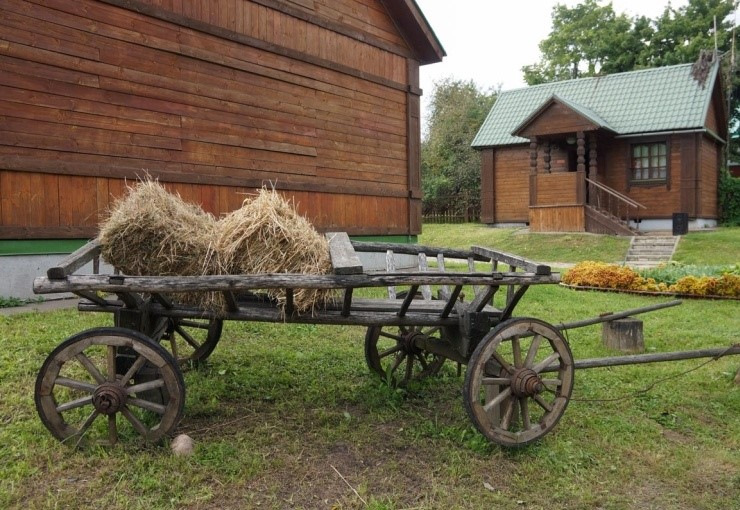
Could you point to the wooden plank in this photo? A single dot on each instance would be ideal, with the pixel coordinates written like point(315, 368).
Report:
point(426, 291)
point(411, 249)
point(344, 260)
point(72, 262)
point(511, 260)
point(390, 267)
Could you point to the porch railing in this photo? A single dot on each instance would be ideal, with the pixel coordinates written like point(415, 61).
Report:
point(612, 202)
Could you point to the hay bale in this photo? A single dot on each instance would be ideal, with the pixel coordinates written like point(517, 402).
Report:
point(153, 232)
point(267, 235)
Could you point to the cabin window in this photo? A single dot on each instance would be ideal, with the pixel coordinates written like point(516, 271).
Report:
point(649, 162)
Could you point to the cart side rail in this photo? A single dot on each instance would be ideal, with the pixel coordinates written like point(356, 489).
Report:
point(512, 261)
point(208, 283)
point(416, 249)
point(75, 260)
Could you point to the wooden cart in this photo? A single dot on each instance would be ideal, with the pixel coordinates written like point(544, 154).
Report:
point(107, 383)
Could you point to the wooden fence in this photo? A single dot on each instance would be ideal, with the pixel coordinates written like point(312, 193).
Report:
point(461, 208)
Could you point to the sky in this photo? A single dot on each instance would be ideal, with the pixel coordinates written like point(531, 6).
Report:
point(489, 41)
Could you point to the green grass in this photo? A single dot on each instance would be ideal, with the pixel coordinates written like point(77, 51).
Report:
point(279, 406)
point(569, 247)
point(720, 247)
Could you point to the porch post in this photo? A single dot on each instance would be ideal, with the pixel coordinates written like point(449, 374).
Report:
point(581, 168)
point(546, 157)
point(533, 171)
point(592, 157)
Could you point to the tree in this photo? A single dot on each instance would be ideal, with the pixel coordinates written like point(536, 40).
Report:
point(590, 39)
point(586, 40)
point(450, 167)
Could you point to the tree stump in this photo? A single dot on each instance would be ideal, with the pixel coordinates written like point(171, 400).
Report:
point(623, 334)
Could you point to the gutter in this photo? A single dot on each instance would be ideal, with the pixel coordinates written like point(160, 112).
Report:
point(679, 132)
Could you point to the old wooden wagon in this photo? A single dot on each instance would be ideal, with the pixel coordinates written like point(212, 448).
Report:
point(109, 383)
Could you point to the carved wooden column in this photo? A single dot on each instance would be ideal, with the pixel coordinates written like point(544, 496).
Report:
point(592, 155)
point(546, 157)
point(533, 171)
point(581, 167)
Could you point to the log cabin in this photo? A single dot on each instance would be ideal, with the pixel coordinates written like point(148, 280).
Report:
point(317, 98)
point(616, 154)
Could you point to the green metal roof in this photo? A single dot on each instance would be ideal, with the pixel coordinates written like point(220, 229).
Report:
point(650, 100)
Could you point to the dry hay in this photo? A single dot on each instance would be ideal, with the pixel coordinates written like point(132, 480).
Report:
point(153, 232)
point(267, 235)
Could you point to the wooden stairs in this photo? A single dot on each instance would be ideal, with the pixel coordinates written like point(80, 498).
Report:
point(609, 211)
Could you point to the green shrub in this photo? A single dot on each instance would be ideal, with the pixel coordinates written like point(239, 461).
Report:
point(729, 198)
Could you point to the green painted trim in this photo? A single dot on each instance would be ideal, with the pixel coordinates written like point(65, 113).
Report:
point(402, 239)
point(40, 246)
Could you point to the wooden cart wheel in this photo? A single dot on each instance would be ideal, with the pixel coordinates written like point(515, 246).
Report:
point(190, 341)
point(519, 381)
point(391, 354)
point(86, 394)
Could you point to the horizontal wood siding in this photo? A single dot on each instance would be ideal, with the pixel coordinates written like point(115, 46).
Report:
point(557, 119)
point(91, 94)
point(511, 184)
point(708, 177)
point(58, 206)
point(556, 188)
point(661, 200)
point(557, 219)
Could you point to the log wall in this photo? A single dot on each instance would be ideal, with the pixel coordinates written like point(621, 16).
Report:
point(709, 177)
point(316, 98)
point(511, 184)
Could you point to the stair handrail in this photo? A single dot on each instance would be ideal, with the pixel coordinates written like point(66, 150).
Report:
point(615, 193)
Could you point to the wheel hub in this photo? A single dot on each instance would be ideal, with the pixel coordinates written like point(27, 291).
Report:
point(109, 398)
point(526, 383)
point(409, 342)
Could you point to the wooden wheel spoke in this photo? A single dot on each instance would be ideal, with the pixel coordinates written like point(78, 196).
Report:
point(543, 404)
point(140, 361)
point(145, 404)
point(90, 367)
point(111, 362)
point(497, 381)
point(145, 386)
point(193, 324)
point(112, 430)
point(517, 348)
point(422, 361)
point(187, 337)
point(501, 361)
point(546, 362)
point(397, 338)
point(508, 413)
point(431, 331)
point(74, 404)
point(409, 367)
point(506, 393)
point(75, 384)
point(532, 352)
point(524, 407)
point(134, 421)
point(397, 363)
point(173, 346)
point(552, 382)
point(85, 426)
point(390, 351)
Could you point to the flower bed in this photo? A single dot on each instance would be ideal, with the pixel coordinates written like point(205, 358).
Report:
point(670, 279)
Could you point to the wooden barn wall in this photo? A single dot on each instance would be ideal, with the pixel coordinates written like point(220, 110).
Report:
point(661, 200)
point(88, 100)
point(708, 177)
point(47, 205)
point(511, 184)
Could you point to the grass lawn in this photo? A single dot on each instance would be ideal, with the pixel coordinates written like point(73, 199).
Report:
point(280, 411)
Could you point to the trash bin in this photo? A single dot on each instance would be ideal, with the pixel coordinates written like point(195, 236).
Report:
point(680, 223)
